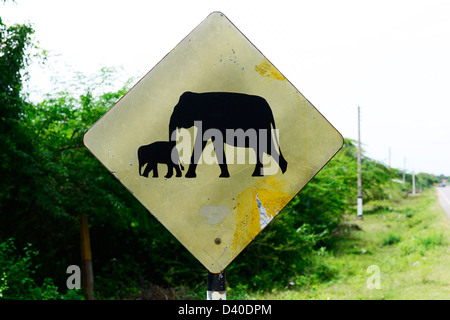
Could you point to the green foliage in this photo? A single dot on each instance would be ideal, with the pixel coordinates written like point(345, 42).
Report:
point(325, 199)
point(391, 239)
point(16, 158)
point(430, 241)
point(75, 179)
point(279, 253)
point(17, 275)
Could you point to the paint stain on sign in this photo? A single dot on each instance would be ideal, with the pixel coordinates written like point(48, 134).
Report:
point(214, 214)
point(268, 197)
point(266, 69)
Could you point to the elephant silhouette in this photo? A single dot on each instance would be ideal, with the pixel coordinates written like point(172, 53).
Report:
point(159, 152)
point(224, 111)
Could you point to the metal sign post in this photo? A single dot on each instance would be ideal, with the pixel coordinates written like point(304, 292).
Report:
point(216, 286)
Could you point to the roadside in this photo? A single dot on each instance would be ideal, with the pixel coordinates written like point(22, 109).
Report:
point(401, 252)
point(444, 198)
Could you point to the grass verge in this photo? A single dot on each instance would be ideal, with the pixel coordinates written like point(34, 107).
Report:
point(399, 251)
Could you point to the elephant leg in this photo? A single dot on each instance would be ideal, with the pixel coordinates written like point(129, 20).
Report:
point(169, 171)
point(146, 170)
point(221, 159)
point(261, 147)
point(155, 169)
point(258, 172)
point(178, 171)
point(275, 152)
point(282, 163)
point(196, 153)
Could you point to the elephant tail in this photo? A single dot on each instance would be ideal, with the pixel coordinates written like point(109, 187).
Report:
point(282, 161)
point(140, 160)
point(275, 136)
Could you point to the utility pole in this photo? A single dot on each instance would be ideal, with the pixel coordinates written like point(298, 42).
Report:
point(359, 199)
point(420, 182)
point(414, 183)
point(404, 168)
point(390, 194)
point(389, 158)
point(87, 275)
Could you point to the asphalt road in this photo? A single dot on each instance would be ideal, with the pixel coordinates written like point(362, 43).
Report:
point(444, 198)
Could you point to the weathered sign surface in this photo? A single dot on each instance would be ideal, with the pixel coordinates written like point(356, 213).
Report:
point(214, 141)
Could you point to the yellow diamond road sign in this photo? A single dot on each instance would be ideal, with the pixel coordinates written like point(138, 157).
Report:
point(214, 141)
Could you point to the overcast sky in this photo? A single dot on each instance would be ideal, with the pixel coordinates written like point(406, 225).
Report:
point(391, 58)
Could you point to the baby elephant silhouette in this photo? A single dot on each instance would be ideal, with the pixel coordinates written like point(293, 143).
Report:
point(159, 152)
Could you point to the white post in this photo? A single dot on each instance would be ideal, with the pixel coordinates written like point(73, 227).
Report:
point(390, 194)
point(404, 169)
point(414, 183)
point(389, 158)
point(359, 200)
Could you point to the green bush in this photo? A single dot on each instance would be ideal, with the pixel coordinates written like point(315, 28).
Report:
point(391, 239)
point(430, 241)
point(18, 273)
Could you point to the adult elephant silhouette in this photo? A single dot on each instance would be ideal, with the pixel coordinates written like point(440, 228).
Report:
point(224, 112)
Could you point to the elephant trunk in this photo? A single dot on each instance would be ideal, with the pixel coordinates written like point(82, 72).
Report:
point(172, 126)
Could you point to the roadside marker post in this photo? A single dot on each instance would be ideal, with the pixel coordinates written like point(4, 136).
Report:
point(216, 286)
point(359, 211)
point(247, 140)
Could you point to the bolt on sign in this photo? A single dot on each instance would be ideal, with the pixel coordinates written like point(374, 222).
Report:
point(214, 141)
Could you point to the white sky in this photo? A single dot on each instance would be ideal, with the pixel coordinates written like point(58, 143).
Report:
point(391, 58)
